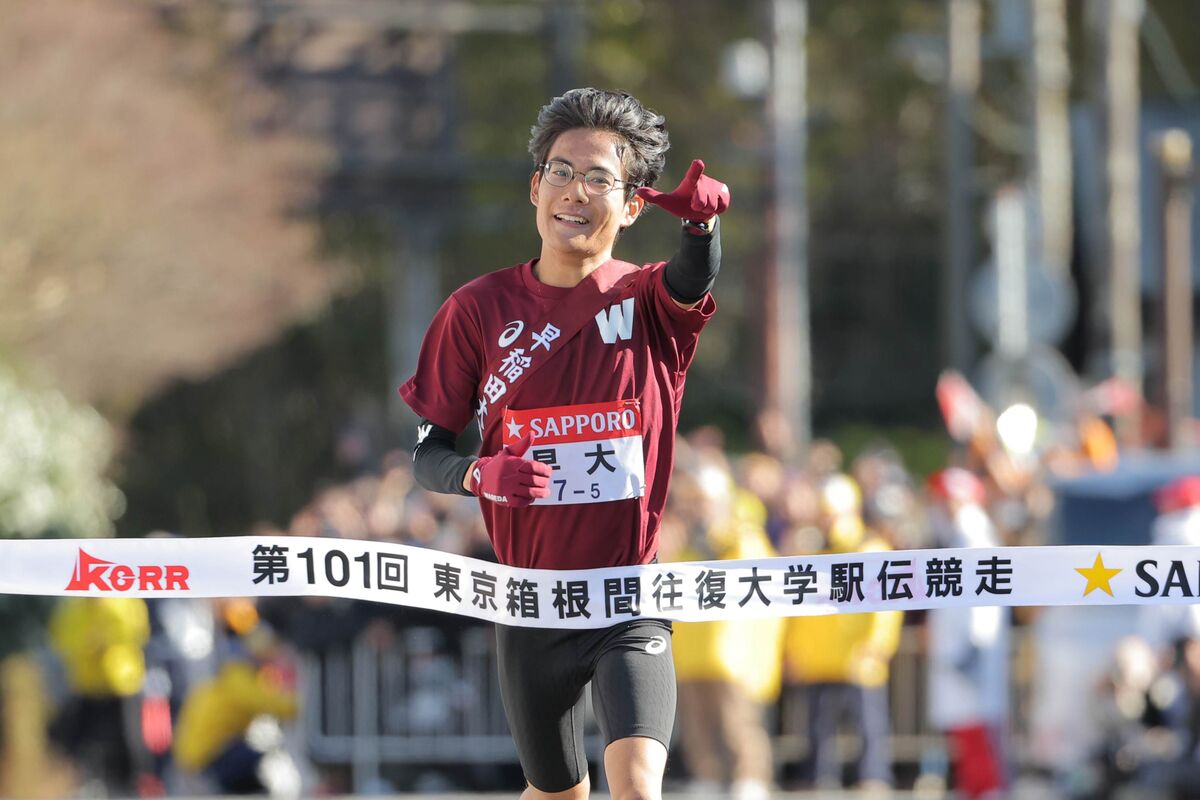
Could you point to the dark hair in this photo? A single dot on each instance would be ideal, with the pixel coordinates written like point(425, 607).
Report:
point(643, 130)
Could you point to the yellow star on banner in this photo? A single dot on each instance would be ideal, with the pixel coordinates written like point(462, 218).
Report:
point(1097, 576)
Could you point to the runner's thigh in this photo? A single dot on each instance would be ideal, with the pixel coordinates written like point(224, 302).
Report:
point(633, 686)
point(541, 683)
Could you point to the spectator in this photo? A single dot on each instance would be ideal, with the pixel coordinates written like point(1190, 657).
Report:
point(215, 735)
point(1127, 714)
point(764, 478)
point(824, 459)
point(726, 670)
point(801, 532)
point(1180, 774)
point(1178, 523)
point(889, 506)
point(100, 641)
point(178, 654)
point(25, 762)
point(840, 661)
point(1178, 506)
point(968, 649)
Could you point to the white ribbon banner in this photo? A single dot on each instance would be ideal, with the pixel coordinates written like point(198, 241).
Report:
point(695, 591)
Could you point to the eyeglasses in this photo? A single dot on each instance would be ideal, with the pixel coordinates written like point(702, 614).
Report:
point(596, 181)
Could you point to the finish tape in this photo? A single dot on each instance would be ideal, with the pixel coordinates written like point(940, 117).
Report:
point(697, 591)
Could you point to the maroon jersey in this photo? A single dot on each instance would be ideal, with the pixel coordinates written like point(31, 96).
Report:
point(604, 410)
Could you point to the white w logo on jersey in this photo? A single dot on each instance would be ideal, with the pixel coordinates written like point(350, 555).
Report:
point(617, 322)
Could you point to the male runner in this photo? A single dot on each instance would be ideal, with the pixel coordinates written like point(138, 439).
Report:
point(579, 452)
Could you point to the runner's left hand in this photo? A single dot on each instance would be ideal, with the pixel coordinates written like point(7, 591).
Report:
point(508, 478)
point(698, 197)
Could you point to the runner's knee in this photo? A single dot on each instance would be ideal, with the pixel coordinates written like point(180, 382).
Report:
point(577, 792)
point(634, 767)
point(636, 793)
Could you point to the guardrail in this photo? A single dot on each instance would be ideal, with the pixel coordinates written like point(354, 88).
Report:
point(432, 697)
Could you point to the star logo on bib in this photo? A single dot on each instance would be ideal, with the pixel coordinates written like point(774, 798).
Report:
point(1098, 576)
point(514, 429)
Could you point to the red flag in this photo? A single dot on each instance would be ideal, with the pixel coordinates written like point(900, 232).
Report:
point(962, 408)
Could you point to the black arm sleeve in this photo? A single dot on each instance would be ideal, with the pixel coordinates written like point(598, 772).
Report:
point(436, 465)
point(692, 272)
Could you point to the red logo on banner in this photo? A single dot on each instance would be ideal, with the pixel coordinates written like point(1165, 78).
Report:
point(107, 576)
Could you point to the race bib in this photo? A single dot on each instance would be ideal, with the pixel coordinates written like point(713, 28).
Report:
point(594, 450)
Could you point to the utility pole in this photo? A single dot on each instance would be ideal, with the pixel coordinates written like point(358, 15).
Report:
point(413, 294)
point(565, 28)
point(1117, 22)
point(1012, 276)
point(788, 379)
point(963, 21)
point(1052, 137)
point(1174, 151)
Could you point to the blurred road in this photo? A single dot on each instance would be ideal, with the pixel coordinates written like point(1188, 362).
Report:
point(1023, 791)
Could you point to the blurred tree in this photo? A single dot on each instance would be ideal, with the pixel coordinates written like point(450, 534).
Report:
point(53, 459)
point(143, 234)
point(257, 440)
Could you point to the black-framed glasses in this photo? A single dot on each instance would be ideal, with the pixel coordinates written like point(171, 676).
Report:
point(596, 181)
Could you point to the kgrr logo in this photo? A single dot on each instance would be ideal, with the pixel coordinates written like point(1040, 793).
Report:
point(107, 576)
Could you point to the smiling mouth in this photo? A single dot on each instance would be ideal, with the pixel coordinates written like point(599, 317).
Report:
point(572, 219)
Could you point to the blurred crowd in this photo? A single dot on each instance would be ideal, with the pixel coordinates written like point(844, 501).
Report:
point(188, 696)
point(832, 672)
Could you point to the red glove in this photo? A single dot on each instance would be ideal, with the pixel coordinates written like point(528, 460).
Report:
point(698, 197)
point(508, 479)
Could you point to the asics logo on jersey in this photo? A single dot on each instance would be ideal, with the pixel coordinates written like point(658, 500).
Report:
point(616, 322)
point(510, 333)
point(656, 645)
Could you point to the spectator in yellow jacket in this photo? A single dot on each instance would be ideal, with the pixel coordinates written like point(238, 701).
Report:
point(101, 641)
point(839, 662)
point(211, 737)
point(727, 671)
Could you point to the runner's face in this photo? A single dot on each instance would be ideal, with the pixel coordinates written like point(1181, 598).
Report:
point(571, 221)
